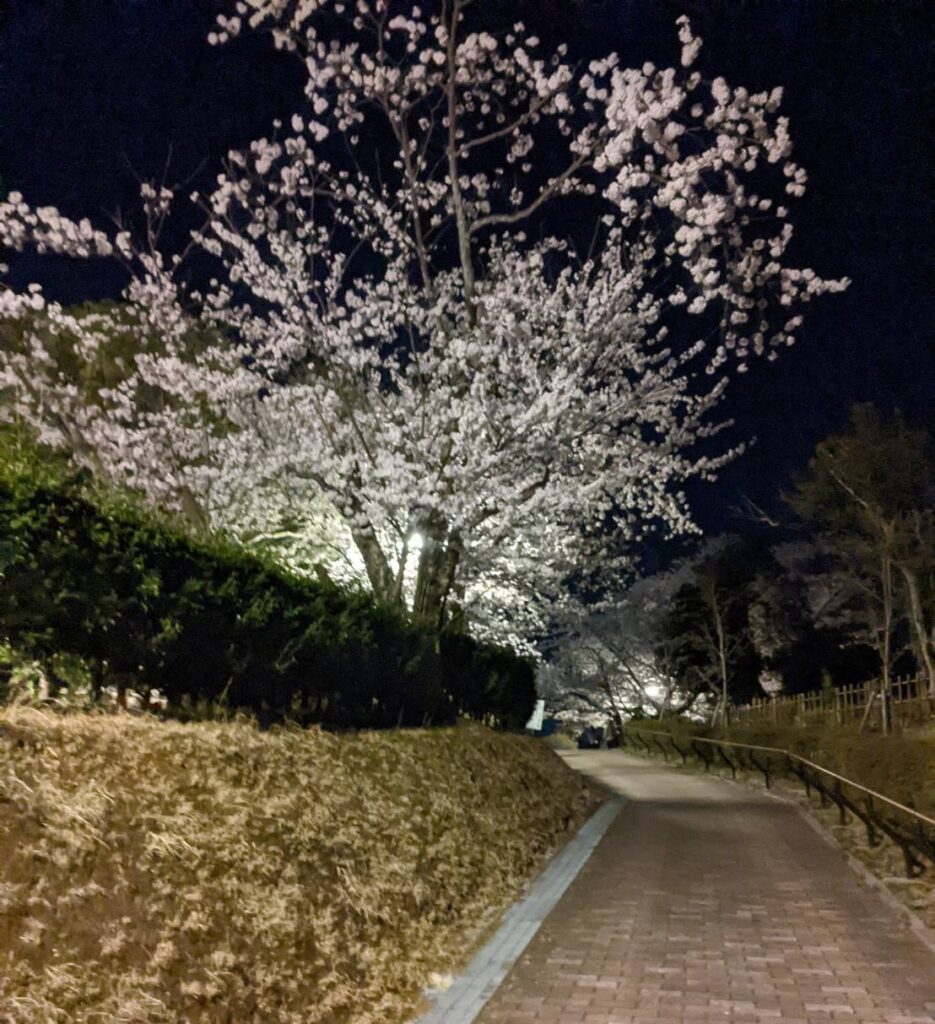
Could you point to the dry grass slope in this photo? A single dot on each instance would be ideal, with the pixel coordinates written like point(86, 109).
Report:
point(155, 872)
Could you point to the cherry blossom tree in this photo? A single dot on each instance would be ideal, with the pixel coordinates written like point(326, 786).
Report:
point(403, 345)
point(616, 660)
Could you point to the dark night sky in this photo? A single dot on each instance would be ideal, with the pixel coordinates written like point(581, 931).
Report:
point(97, 94)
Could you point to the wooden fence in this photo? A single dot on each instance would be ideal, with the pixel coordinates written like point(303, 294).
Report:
point(908, 703)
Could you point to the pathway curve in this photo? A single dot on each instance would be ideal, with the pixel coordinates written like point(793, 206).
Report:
point(707, 902)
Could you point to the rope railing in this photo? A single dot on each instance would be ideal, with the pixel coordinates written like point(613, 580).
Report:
point(911, 830)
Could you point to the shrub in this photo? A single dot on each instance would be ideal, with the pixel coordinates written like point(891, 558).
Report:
point(205, 622)
point(901, 767)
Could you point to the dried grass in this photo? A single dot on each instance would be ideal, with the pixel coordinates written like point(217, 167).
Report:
point(154, 872)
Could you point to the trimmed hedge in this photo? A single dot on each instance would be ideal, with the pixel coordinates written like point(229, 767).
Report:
point(149, 608)
point(900, 766)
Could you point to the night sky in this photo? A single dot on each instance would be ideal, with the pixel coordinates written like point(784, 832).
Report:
point(98, 95)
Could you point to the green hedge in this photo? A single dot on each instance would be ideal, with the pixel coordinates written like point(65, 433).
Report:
point(148, 608)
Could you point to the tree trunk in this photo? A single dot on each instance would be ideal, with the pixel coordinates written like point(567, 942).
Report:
point(98, 676)
point(917, 617)
point(725, 700)
point(438, 566)
point(886, 653)
point(381, 576)
point(454, 174)
point(615, 712)
point(721, 656)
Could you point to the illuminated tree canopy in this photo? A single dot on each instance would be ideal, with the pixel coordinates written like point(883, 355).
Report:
point(403, 358)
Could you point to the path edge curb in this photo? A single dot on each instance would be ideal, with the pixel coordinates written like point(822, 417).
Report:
point(471, 990)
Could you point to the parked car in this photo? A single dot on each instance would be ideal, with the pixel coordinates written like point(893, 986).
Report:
point(591, 737)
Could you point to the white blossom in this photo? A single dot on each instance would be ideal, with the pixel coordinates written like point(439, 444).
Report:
point(390, 375)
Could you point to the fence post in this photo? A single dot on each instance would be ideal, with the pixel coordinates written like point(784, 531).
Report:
point(885, 709)
point(730, 764)
point(872, 838)
point(702, 751)
point(839, 800)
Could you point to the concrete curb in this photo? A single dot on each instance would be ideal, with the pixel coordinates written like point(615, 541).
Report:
point(464, 1000)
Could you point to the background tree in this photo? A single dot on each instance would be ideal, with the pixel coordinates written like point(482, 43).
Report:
point(870, 493)
point(774, 618)
point(706, 627)
point(615, 659)
point(797, 624)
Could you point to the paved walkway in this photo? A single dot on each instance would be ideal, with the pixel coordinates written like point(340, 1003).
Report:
point(705, 902)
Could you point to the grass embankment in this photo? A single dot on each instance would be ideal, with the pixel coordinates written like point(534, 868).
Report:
point(156, 872)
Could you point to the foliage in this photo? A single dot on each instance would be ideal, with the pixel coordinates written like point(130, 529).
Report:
point(679, 639)
point(148, 608)
point(705, 630)
point(901, 766)
point(738, 612)
point(159, 872)
point(845, 592)
point(402, 331)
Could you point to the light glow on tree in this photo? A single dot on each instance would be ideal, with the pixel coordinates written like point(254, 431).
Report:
point(404, 365)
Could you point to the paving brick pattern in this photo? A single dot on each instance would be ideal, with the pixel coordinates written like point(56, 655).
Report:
point(705, 902)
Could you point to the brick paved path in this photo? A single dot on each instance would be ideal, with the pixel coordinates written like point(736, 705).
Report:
point(705, 902)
